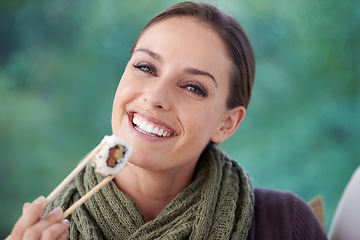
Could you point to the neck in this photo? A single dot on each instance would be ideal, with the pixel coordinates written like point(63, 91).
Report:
point(153, 190)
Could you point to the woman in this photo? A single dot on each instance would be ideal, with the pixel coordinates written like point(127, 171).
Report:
point(187, 86)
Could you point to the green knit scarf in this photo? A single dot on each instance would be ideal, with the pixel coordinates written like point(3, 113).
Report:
point(218, 204)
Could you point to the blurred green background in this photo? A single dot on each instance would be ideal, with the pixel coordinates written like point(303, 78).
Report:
point(61, 60)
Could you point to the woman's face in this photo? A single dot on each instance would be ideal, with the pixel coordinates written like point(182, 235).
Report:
point(171, 99)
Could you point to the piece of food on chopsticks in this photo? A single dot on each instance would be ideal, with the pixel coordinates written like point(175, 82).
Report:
point(109, 157)
point(112, 157)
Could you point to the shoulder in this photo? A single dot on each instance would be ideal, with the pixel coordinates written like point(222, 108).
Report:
point(283, 215)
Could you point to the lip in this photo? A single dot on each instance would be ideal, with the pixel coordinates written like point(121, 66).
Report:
point(153, 120)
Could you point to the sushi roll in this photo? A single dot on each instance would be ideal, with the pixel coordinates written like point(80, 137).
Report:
point(112, 157)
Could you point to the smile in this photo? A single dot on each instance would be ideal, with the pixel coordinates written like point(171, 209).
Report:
point(152, 129)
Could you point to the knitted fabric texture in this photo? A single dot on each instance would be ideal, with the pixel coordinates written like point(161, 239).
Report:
point(218, 204)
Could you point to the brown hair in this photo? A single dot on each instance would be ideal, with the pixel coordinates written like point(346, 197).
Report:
point(236, 41)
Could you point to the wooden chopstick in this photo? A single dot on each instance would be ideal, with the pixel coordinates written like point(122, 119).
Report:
point(79, 167)
point(89, 194)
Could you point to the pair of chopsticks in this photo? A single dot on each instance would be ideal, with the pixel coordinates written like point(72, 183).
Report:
point(67, 180)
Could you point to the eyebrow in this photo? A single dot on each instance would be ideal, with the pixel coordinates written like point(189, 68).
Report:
point(195, 71)
point(152, 54)
point(189, 70)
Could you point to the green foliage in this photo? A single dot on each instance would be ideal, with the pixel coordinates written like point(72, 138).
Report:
point(60, 63)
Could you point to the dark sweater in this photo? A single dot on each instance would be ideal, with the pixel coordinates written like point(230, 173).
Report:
point(282, 215)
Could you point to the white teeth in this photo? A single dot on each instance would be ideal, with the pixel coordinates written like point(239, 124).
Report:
point(135, 120)
point(155, 131)
point(149, 128)
point(142, 125)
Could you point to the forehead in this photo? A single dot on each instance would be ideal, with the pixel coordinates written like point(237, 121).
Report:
point(188, 38)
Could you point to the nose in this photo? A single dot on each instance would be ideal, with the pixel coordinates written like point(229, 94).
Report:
point(157, 94)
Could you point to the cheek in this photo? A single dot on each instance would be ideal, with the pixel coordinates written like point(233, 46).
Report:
point(118, 108)
point(202, 120)
point(118, 98)
point(126, 89)
point(115, 113)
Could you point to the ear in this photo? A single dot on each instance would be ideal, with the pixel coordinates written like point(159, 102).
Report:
point(229, 124)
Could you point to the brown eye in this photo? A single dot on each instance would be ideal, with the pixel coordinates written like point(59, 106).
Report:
point(145, 68)
point(196, 89)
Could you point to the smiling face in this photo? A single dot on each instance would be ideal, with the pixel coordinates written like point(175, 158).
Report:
point(171, 99)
